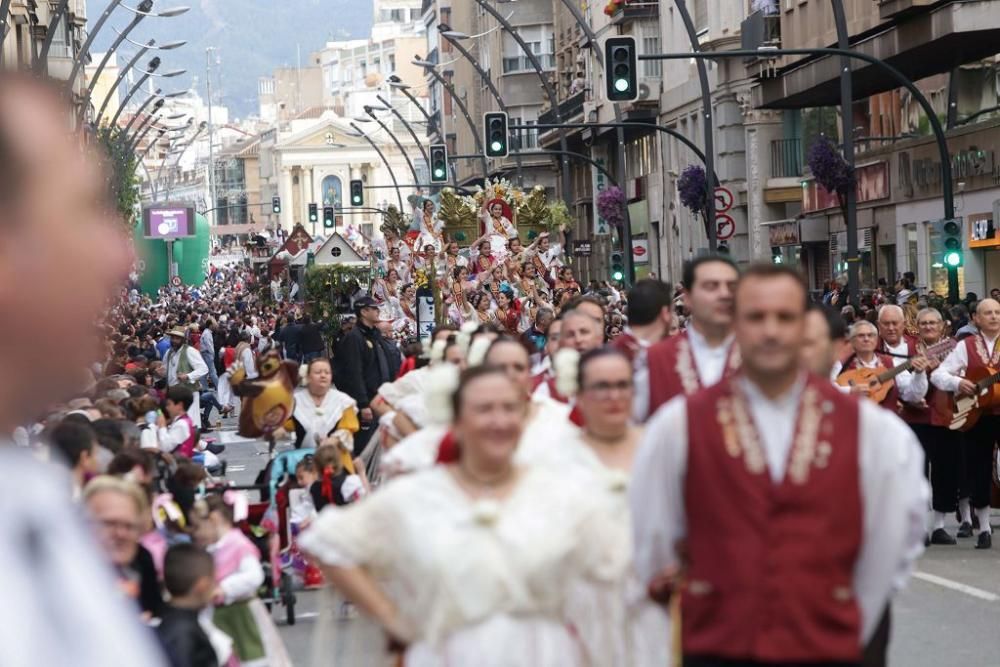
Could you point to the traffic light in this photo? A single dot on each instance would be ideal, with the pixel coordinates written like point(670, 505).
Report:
point(328, 219)
point(276, 205)
point(951, 241)
point(617, 265)
point(357, 193)
point(621, 72)
point(439, 163)
point(313, 213)
point(497, 137)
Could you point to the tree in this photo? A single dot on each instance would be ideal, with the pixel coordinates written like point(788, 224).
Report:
point(122, 164)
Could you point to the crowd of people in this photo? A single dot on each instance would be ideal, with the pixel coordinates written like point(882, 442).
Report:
point(723, 472)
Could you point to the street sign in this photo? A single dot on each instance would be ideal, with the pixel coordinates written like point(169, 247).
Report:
point(723, 200)
point(582, 248)
point(640, 251)
point(725, 227)
point(176, 281)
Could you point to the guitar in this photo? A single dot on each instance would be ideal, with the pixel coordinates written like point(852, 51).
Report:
point(961, 413)
point(881, 380)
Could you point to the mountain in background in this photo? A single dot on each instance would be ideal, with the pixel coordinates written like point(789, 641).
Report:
point(252, 37)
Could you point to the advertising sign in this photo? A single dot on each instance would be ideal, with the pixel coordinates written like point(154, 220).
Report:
point(168, 222)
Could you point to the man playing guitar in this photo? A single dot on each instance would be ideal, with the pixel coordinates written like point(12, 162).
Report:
point(910, 386)
point(977, 356)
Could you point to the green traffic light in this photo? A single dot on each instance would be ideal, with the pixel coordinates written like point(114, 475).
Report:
point(496, 146)
point(953, 258)
point(439, 173)
point(617, 275)
point(621, 85)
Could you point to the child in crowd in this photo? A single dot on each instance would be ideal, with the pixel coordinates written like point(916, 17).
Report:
point(338, 482)
point(239, 574)
point(177, 434)
point(189, 578)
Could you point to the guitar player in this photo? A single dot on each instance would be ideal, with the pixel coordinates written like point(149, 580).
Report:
point(976, 355)
point(941, 445)
point(864, 339)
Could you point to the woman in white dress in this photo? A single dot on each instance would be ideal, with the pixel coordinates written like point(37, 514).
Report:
point(634, 631)
point(322, 414)
point(497, 228)
point(472, 563)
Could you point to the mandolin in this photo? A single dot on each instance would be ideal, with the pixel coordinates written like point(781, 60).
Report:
point(961, 413)
point(881, 379)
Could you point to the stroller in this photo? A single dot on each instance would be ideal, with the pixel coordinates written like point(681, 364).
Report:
point(267, 525)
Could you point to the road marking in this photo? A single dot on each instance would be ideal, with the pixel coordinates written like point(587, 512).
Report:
point(957, 586)
point(234, 468)
point(308, 614)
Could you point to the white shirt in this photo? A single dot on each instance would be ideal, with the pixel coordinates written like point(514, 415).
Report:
point(198, 367)
point(912, 387)
point(948, 374)
point(894, 492)
point(247, 359)
point(173, 435)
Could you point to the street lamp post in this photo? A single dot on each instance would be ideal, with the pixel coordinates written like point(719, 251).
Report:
point(148, 124)
point(550, 92)
point(454, 39)
point(847, 125)
point(388, 166)
point(135, 88)
point(947, 187)
point(397, 83)
point(409, 128)
point(395, 140)
point(122, 36)
point(432, 70)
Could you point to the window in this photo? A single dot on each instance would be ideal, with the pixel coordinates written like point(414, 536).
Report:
point(648, 38)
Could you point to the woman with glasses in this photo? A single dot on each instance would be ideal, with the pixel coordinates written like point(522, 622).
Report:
point(471, 562)
point(635, 632)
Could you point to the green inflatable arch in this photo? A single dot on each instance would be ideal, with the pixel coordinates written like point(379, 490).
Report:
point(190, 255)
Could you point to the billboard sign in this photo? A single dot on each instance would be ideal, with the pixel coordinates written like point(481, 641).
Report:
point(168, 221)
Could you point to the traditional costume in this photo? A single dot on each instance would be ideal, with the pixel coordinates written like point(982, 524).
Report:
point(498, 230)
point(477, 582)
point(819, 500)
point(336, 415)
point(239, 574)
point(186, 360)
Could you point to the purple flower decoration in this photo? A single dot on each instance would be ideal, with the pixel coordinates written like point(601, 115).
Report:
point(830, 168)
point(611, 205)
point(693, 188)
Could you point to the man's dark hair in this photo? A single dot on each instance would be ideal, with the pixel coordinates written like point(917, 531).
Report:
point(691, 267)
point(183, 566)
point(181, 394)
point(109, 435)
point(834, 320)
point(767, 270)
point(71, 438)
point(646, 300)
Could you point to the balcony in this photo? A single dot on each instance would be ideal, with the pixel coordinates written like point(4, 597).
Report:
point(630, 10)
point(888, 9)
point(518, 64)
point(786, 158)
point(569, 109)
point(759, 30)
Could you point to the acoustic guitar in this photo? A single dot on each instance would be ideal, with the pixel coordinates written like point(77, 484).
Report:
point(880, 380)
point(961, 413)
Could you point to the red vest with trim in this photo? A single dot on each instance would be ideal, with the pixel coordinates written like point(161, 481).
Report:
point(186, 448)
point(673, 371)
point(772, 565)
point(628, 345)
point(891, 400)
point(922, 414)
point(975, 350)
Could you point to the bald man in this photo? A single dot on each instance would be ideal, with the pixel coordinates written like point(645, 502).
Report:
point(977, 353)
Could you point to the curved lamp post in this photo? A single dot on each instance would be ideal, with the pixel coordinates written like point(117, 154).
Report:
point(395, 140)
point(397, 83)
point(151, 45)
point(135, 88)
point(409, 128)
point(454, 38)
point(388, 166)
point(431, 68)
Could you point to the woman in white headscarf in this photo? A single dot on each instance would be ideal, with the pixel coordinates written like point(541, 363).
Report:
point(322, 414)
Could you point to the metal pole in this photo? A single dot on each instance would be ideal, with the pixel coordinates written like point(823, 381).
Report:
point(121, 77)
point(152, 143)
point(488, 82)
point(91, 36)
point(847, 129)
point(468, 119)
point(409, 128)
point(107, 56)
point(211, 136)
point(42, 64)
point(142, 108)
point(144, 126)
point(947, 187)
point(550, 92)
point(392, 175)
point(708, 123)
point(131, 93)
point(409, 163)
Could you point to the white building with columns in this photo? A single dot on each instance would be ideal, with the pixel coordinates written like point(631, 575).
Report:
point(314, 162)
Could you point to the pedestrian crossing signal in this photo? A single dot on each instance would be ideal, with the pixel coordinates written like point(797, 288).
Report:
point(328, 220)
point(357, 193)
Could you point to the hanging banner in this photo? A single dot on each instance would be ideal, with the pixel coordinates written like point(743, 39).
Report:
point(599, 182)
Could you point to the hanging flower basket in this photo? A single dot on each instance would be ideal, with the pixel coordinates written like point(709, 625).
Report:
point(611, 205)
point(693, 189)
point(830, 168)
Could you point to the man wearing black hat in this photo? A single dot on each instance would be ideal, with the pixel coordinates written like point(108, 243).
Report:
point(365, 360)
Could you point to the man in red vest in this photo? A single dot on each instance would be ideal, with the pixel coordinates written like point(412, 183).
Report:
point(893, 339)
point(794, 510)
point(702, 354)
point(977, 353)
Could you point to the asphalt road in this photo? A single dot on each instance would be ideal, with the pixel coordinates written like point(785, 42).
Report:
point(948, 615)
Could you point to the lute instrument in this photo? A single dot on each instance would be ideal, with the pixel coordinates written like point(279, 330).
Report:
point(881, 380)
point(961, 413)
